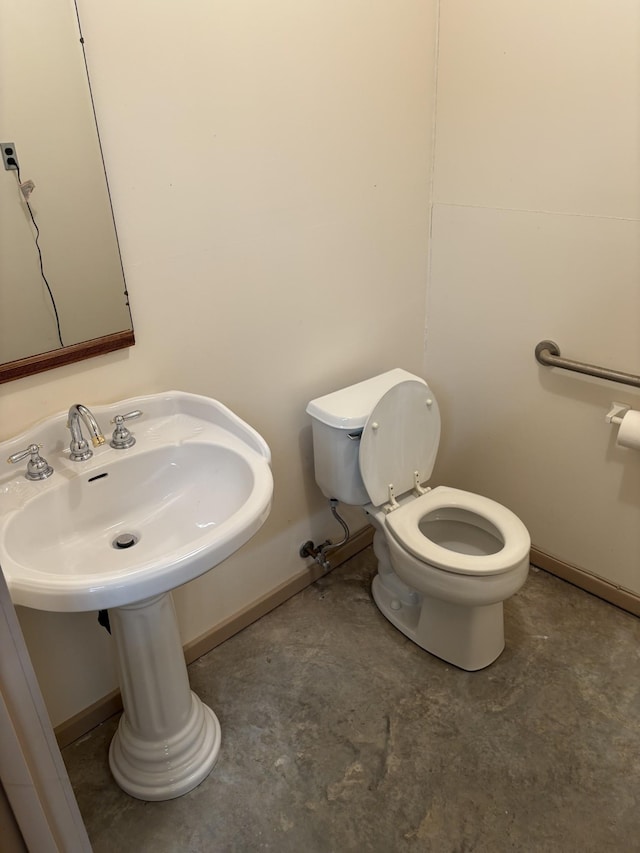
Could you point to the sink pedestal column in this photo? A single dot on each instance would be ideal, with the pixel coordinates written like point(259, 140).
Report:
point(167, 740)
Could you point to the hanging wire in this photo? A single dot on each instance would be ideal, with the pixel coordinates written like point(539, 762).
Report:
point(13, 162)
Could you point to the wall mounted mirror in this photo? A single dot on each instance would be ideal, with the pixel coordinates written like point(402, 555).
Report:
point(62, 290)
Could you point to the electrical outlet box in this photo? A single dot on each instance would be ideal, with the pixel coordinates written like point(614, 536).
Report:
point(9, 156)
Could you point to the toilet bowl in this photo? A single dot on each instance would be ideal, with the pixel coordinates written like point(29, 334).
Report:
point(463, 555)
point(447, 558)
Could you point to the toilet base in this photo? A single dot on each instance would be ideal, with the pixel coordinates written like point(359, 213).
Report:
point(470, 638)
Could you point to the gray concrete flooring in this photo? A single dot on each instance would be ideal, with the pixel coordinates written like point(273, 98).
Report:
point(338, 734)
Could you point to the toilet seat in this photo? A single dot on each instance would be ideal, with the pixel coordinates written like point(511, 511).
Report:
point(398, 447)
point(403, 523)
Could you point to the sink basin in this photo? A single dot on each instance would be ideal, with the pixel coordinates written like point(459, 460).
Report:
point(193, 489)
point(120, 530)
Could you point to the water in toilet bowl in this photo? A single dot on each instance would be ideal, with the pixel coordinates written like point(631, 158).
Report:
point(460, 532)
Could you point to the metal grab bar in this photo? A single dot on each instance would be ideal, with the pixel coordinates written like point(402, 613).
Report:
point(548, 353)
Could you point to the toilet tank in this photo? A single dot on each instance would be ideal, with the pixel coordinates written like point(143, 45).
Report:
point(337, 423)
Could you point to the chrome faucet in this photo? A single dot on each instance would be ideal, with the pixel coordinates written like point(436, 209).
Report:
point(79, 448)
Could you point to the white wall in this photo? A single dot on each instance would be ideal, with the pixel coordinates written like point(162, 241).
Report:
point(536, 235)
point(269, 166)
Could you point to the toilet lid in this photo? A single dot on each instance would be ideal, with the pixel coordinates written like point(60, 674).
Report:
point(400, 437)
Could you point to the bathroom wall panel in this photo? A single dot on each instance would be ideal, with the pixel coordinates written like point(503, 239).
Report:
point(269, 166)
point(534, 438)
point(536, 235)
point(538, 106)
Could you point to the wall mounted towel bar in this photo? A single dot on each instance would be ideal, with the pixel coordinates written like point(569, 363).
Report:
point(548, 353)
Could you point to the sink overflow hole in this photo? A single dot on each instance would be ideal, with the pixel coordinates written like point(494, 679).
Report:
point(125, 540)
point(98, 477)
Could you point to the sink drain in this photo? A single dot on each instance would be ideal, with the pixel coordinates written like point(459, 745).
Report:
point(124, 540)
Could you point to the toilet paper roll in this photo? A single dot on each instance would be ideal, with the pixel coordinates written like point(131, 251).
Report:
point(629, 430)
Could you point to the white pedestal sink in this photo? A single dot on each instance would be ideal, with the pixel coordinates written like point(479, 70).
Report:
point(194, 488)
point(167, 740)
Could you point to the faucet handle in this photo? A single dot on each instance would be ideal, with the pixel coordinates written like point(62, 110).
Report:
point(37, 467)
point(122, 437)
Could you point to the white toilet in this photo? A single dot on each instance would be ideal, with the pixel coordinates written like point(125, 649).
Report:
point(447, 558)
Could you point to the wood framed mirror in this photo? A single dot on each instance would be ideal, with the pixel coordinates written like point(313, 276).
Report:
point(63, 295)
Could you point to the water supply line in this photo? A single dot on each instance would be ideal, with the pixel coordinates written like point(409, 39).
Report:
point(319, 554)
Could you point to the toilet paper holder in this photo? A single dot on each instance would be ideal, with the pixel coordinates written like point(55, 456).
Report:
point(617, 412)
point(628, 422)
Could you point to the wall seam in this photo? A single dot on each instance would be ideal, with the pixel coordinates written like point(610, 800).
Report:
point(434, 118)
point(529, 210)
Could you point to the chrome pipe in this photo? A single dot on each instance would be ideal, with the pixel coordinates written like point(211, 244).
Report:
point(548, 353)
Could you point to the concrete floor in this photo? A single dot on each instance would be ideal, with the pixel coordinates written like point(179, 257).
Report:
point(338, 734)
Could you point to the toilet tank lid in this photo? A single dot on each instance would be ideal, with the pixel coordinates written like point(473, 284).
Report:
point(350, 407)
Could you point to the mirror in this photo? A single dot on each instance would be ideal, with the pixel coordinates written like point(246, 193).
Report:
point(62, 290)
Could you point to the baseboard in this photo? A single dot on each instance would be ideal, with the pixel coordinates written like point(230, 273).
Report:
point(623, 598)
point(90, 717)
